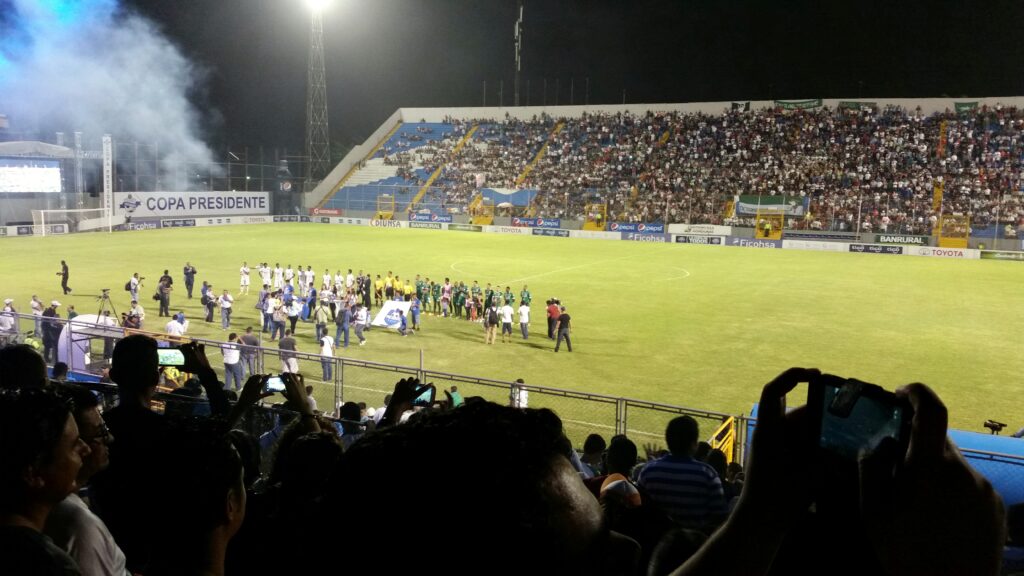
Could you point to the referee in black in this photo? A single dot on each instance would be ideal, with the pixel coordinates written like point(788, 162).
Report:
point(64, 277)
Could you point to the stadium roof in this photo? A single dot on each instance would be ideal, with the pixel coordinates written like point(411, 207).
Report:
point(35, 150)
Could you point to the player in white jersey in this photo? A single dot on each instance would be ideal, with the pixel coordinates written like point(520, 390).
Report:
point(243, 280)
point(350, 280)
point(289, 276)
point(265, 274)
point(339, 282)
point(278, 277)
point(326, 285)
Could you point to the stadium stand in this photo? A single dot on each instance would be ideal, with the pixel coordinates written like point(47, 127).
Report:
point(837, 168)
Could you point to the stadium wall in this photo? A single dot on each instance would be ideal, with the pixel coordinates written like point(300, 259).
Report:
point(927, 105)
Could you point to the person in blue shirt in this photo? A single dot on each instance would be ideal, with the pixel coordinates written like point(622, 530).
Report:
point(343, 320)
point(414, 310)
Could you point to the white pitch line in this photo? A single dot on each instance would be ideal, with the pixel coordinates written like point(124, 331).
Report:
point(457, 270)
point(687, 275)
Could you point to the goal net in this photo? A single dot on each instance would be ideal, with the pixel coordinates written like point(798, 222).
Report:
point(769, 226)
point(385, 207)
point(954, 230)
point(46, 222)
point(595, 216)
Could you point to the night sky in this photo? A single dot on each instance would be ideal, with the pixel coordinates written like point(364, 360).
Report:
point(386, 54)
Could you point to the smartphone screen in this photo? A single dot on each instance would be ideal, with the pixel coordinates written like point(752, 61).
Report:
point(275, 384)
point(171, 357)
point(426, 398)
point(871, 419)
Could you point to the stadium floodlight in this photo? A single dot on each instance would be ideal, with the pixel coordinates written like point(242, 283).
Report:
point(318, 6)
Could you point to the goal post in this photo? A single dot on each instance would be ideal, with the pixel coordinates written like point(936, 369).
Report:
point(595, 216)
point(385, 207)
point(484, 213)
point(768, 226)
point(48, 222)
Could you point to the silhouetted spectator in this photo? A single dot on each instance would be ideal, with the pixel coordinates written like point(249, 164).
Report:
point(72, 525)
point(21, 367)
point(40, 456)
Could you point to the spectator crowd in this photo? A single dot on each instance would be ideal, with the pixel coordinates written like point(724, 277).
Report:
point(876, 168)
point(462, 486)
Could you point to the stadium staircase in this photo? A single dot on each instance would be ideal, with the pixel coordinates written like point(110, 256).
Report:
point(437, 173)
point(356, 168)
point(540, 154)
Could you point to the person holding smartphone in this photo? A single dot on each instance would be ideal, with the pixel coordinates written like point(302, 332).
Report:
point(918, 507)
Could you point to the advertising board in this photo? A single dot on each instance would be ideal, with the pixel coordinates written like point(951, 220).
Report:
point(690, 239)
point(174, 204)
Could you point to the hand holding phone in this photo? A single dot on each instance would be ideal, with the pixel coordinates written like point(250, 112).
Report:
point(273, 384)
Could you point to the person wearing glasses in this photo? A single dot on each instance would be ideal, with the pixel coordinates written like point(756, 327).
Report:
point(71, 525)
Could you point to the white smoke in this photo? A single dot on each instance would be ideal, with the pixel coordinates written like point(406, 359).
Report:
point(103, 70)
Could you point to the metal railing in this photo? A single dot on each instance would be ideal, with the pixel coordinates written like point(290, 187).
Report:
point(339, 379)
point(351, 380)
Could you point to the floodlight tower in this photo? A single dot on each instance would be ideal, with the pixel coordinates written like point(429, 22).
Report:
point(518, 37)
point(318, 144)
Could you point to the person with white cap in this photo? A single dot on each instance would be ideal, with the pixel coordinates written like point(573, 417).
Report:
point(51, 332)
point(8, 322)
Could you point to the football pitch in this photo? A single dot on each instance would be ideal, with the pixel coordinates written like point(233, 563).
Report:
point(698, 326)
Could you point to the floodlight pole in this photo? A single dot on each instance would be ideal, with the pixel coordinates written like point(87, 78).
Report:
point(519, 47)
point(318, 146)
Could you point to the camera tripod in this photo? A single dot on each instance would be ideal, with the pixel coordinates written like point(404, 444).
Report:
point(105, 303)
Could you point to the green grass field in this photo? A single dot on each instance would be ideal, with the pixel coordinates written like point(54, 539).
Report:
point(698, 326)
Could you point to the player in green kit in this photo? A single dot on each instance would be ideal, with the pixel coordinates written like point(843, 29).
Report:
point(524, 296)
point(460, 299)
point(435, 295)
point(419, 288)
point(510, 298)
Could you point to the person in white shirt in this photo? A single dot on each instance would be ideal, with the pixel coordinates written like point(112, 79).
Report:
point(139, 311)
point(265, 274)
point(133, 286)
point(339, 281)
point(361, 319)
point(327, 353)
point(243, 281)
point(37, 311)
point(278, 277)
point(289, 276)
point(524, 320)
point(506, 322)
point(177, 326)
point(326, 284)
point(225, 302)
point(350, 280)
point(233, 369)
point(294, 309)
point(8, 322)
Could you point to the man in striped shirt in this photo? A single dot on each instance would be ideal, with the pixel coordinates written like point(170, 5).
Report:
point(686, 489)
